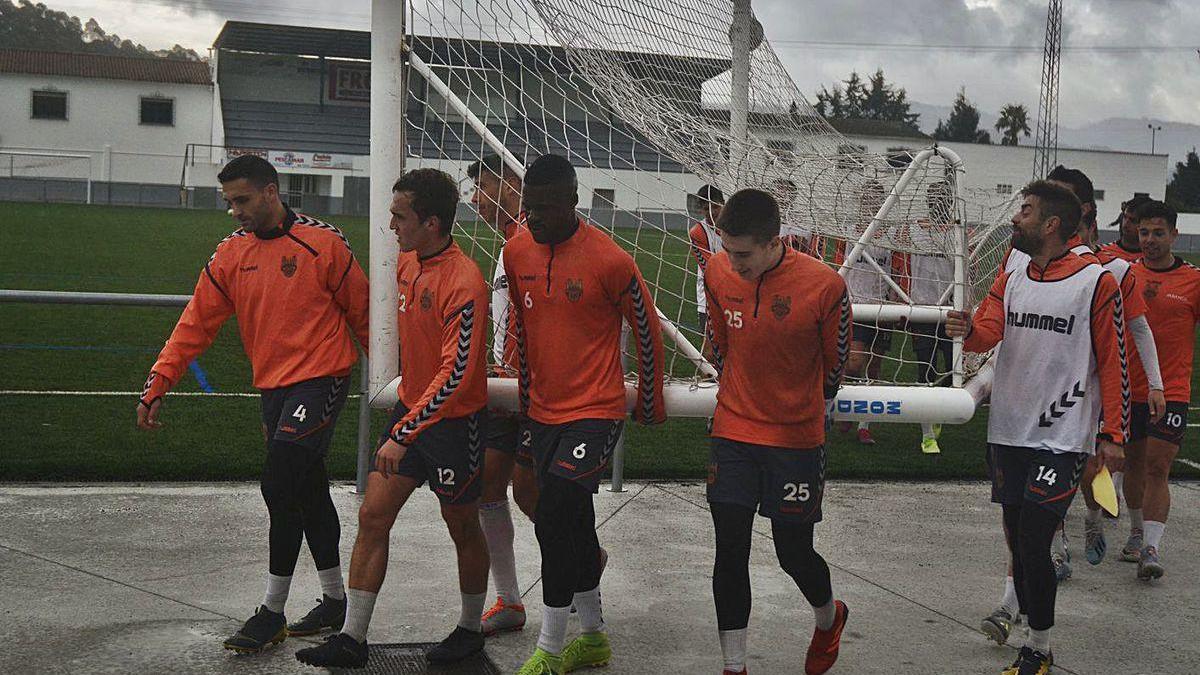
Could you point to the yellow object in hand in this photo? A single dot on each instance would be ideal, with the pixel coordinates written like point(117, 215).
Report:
point(1104, 492)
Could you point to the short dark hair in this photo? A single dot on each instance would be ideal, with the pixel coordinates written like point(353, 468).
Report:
point(550, 170)
point(751, 212)
point(1155, 209)
point(1080, 184)
point(1054, 200)
point(1134, 202)
point(253, 168)
point(711, 194)
point(493, 164)
point(434, 193)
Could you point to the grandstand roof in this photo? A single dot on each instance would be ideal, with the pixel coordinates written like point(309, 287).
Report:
point(103, 66)
point(353, 44)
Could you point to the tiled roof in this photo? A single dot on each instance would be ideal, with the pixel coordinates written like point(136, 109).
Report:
point(103, 66)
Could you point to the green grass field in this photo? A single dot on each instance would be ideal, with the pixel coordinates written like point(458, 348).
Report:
point(94, 349)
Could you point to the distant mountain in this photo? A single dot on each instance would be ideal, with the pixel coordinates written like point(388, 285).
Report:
point(1115, 133)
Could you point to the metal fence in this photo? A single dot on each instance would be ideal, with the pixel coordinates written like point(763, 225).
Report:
point(161, 300)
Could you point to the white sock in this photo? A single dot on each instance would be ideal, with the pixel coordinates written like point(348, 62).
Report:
point(863, 425)
point(591, 614)
point(733, 649)
point(1093, 517)
point(927, 430)
point(1154, 533)
point(496, 520)
point(1009, 599)
point(331, 582)
point(277, 592)
point(1136, 521)
point(359, 607)
point(1039, 640)
point(1060, 540)
point(472, 610)
point(826, 615)
point(554, 629)
point(1118, 479)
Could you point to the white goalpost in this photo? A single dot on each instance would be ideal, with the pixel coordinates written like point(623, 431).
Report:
point(650, 99)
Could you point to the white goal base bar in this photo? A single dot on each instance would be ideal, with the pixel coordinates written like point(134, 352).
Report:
point(909, 405)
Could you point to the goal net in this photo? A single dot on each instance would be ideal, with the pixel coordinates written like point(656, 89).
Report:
point(652, 99)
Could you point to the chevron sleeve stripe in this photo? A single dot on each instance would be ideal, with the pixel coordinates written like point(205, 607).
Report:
point(455, 359)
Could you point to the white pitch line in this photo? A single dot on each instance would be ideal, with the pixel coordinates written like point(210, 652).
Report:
point(222, 394)
point(1188, 462)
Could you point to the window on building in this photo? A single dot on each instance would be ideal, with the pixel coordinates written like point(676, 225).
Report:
point(1004, 188)
point(604, 198)
point(49, 105)
point(158, 111)
point(1099, 195)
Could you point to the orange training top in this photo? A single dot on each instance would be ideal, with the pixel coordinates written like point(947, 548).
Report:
point(297, 292)
point(780, 344)
point(1172, 307)
point(442, 327)
point(569, 300)
point(1117, 249)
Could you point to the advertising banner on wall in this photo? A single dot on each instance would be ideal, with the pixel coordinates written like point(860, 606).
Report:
point(284, 159)
point(349, 82)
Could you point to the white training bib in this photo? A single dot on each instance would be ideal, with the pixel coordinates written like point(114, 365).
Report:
point(1046, 392)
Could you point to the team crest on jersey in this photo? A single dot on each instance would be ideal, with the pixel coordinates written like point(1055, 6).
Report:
point(1151, 289)
point(781, 306)
point(426, 299)
point(288, 266)
point(574, 289)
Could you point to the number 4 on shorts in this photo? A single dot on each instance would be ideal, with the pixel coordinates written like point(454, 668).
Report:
point(300, 413)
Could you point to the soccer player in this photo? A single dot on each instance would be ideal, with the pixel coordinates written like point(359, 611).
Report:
point(1171, 288)
point(571, 286)
point(1146, 353)
point(301, 352)
point(930, 276)
point(871, 341)
point(1127, 246)
point(1061, 317)
point(497, 197)
point(780, 324)
point(436, 429)
point(705, 207)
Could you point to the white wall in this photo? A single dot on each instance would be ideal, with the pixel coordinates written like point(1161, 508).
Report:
point(106, 112)
point(1119, 174)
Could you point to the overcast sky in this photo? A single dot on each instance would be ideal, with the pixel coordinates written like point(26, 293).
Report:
point(1162, 81)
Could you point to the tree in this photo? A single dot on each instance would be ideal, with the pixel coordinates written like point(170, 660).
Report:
point(963, 124)
point(1183, 192)
point(874, 99)
point(26, 25)
point(1014, 121)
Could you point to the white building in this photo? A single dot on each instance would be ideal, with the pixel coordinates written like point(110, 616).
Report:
point(299, 97)
point(112, 119)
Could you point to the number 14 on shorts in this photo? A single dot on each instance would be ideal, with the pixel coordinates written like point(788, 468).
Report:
point(1046, 475)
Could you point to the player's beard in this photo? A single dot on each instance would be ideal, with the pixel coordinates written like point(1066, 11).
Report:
point(1026, 243)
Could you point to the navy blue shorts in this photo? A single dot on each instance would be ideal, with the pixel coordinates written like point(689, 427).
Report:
point(1046, 478)
point(786, 484)
point(304, 413)
point(448, 454)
